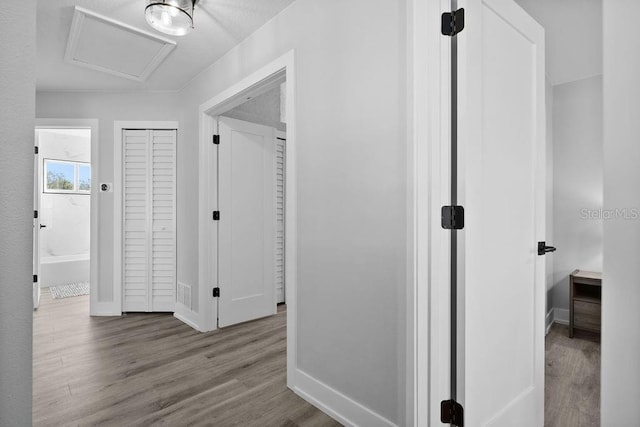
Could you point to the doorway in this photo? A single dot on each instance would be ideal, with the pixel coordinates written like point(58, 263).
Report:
point(231, 117)
point(64, 216)
point(575, 216)
point(437, 322)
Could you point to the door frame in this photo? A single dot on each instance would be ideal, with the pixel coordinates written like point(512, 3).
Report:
point(94, 263)
point(252, 85)
point(115, 307)
point(429, 124)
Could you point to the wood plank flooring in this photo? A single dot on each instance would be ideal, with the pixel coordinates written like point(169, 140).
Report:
point(151, 369)
point(572, 379)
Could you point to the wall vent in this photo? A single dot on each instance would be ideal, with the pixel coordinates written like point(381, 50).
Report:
point(184, 295)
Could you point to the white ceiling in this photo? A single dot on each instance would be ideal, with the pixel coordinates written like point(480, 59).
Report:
point(219, 26)
point(573, 36)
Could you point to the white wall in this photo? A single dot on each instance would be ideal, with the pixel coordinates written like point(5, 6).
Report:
point(65, 215)
point(350, 101)
point(577, 184)
point(107, 107)
point(620, 287)
point(17, 107)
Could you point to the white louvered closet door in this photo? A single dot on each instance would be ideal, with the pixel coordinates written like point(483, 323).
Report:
point(280, 203)
point(149, 204)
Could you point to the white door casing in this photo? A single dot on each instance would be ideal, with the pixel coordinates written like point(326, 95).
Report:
point(246, 229)
point(501, 152)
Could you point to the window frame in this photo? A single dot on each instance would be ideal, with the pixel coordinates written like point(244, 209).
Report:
point(76, 177)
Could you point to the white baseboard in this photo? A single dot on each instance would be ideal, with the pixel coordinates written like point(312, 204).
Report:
point(561, 315)
point(548, 321)
point(187, 316)
point(335, 404)
point(556, 315)
point(104, 309)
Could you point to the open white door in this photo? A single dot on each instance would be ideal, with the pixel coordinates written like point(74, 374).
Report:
point(501, 151)
point(36, 225)
point(246, 228)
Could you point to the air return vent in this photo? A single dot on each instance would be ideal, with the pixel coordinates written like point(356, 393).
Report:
point(184, 295)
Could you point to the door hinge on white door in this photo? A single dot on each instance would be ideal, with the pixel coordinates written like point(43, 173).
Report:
point(216, 139)
point(216, 292)
point(452, 217)
point(216, 215)
point(35, 278)
point(452, 22)
point(451, 412)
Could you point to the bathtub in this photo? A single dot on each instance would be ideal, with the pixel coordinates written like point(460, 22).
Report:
point(60, 270)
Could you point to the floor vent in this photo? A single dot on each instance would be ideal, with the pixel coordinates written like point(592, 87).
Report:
point(184, 295)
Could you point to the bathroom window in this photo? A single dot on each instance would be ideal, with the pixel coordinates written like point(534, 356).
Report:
point(66, 177)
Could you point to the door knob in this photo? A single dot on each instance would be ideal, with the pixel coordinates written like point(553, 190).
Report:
point(543, 249)
point(43, 226)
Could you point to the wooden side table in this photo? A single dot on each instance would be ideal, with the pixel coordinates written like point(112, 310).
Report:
point(585, 301)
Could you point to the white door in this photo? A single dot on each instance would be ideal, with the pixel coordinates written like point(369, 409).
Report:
point(502, 188)
point(149, 220)
point(246, 228)
point(36, 225)
point(280, 156)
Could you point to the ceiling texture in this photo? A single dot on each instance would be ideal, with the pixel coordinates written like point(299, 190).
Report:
point(219, 26)
point(573, 31)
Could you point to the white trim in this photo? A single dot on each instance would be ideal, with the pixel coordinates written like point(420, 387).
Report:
point(187, 316)
point(556, 315)
point(561, 315)
point(79, 15)
point(263, 78)
point(548, 321)
point(340, 407)
point(95, 307)
point(118, 127)
point(430, 133)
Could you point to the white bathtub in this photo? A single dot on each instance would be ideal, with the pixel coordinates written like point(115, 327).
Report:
point(60, 270)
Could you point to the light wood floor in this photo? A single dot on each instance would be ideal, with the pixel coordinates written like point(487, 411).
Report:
point(572, 379)
point(151, 369)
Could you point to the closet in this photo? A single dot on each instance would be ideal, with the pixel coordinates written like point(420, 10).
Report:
point(149, 220)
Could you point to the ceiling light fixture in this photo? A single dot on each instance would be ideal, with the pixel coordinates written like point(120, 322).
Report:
point(173, 17)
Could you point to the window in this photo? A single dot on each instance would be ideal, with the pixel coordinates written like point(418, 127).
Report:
point(66, 177)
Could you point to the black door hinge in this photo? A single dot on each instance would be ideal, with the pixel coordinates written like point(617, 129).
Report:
point(216, 139)
point(543, 249)
point(451, 412)
point(216, 215)
point(35, 278)
point(452, 217)
point(36, 149)
point(216, 292)
point(452, 22)
point(35, 214)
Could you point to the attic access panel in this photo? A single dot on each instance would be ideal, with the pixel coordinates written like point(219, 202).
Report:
point(106, 45)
